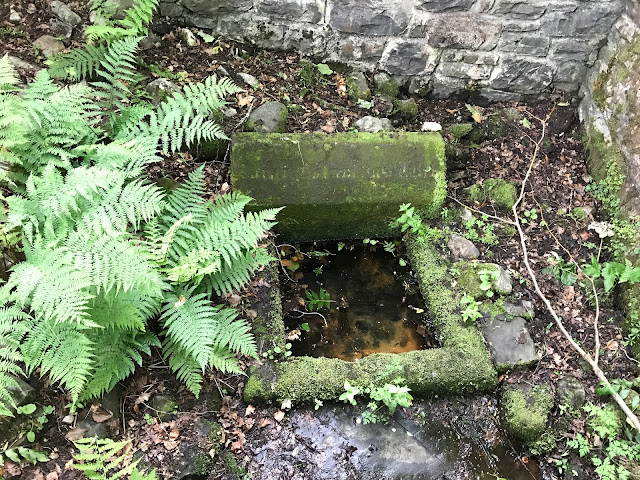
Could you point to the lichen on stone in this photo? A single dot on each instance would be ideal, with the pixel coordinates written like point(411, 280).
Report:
point(526, 410)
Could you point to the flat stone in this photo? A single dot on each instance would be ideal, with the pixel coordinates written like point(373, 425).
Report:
point(371, 124)
point(64, 13)
point(14, 16)
point(48, 45)
point(90, 429)
point(525, 309)
point(370, 17)
point(462, 247)
point(250, 80)
point(163, 406)
point(160, 89)
point(60, 29)
point(347, 185)
point(509, 342)
point(270, 117)
point(188, 37)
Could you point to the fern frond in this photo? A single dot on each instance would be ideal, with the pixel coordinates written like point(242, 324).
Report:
point(237, 274)
point(186, 198)
point(127, 157)
point(61, 351)
point(12, 330)
point(78, 64)
point(186, 368)
point(8, 75)
point(138, 17)
point(119, 352)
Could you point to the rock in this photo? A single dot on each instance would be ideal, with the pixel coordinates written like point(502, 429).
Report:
point(407, 108)
point(188, 37)
point(48, 45)
point(149, 42)
point(504, 284)
point(68, 419)
point(467, 215)
point(431, 127)
point(163, 407)
point(228, 112)
point(160, 89)
point(509, 342)
point(526, 410)
point(385, 85)
point(357, 87)
point(194, 463)
point(112, 401)
point(469, 279)
point(460, 130)
point(462, 248)
point(525, 309)
point(420, 86)
point(60, 28)
point(222, 71)
point(371, 124)
point(570, 391)
point(14, 17)
point(88, 428)
point(64, 13)
point(346, 185)
point(250, 80)
point(270, 117)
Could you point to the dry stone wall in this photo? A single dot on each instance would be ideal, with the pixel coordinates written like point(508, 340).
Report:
point(500, 49)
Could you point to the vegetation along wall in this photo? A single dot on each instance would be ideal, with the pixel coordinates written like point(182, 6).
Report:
point(502, 49)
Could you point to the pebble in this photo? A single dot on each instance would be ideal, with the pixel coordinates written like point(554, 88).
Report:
point(250, 80)
point(14, 16)
point(431, 127)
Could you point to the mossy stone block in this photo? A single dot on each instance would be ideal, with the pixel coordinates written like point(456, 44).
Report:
point(345, 185)
point(407, 108)
point(526, 410)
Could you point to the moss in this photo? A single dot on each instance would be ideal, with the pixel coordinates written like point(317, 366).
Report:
point(355, 91)
point(215, 434)
point(232, 469)
point(346, 185)
point(469, 278)
point(526, 411)
point(491, 128)
point(406, 108)
point(460, 130)
point(579, 214)
point(389, 88)
point(201, 464)
point(502, 193)
point(268, 326)
point(543, 445)
point(461, 365)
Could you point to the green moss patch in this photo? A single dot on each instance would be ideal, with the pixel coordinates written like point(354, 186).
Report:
point(526, 410)
point(341, 186)
point(461, 365)
point(502, 193)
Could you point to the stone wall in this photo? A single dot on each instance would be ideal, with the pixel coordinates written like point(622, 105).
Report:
point(610, 108)
point(500, 49)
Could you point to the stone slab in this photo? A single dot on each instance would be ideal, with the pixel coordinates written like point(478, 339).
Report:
point(509, 342)
point(345, 185)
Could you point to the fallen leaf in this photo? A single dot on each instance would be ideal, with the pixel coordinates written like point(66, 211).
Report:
point(452, 111)
point(234, 300)
point(74, 434)
point(612, 345)
point(251, 314)
point(245, 99)
point(224, 188)
point(477, 116)
point(264, 421)
point(279, 415)
point(52, 476)
point(171, 444)
point(181, 301)
point(327, 128)
point(250, 410)
point(100, 415)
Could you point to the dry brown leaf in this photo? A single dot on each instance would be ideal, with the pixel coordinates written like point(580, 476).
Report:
point(251, 314)
point(264, 421)
point(279, 415)
point(245, 99)
point(74, 434)
point(250, 410)
point(477, 116)
point(52, 476)
point(327, 128)
point(612, 345)
point(171, 444)
point(225, 187)
point(234, 300)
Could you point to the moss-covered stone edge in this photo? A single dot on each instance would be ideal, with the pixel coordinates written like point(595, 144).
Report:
point(526, 411)
point(462, 364)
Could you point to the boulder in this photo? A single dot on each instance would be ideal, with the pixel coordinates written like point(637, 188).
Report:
point(462, 247)
point(570, 392)
point(48, 45)
point(270, 117)
point(64, 13)
point(526, 410)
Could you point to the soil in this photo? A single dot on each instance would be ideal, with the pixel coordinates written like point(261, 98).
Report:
point(558, 181)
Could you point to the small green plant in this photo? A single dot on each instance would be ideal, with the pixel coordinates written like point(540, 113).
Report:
point(580, 445)
point(471, 312)
point(487, 279)
point(392, 396)
point(148, 418)
point(317, 404)
point(612, 272)
point(318, 300)
point(276, 352)
point(529, 216)
point(562, 464)
point(349, 396)
point(565, 272)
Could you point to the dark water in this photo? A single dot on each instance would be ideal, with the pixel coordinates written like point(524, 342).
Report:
point(374, 308)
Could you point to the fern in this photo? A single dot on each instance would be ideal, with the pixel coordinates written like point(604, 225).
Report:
point(106, 459)
point(106, 251)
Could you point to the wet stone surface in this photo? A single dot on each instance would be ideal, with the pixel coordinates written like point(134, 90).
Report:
point(444, 439)
point(374, 305)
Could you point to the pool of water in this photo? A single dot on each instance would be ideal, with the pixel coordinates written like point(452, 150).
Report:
point(374, 306)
